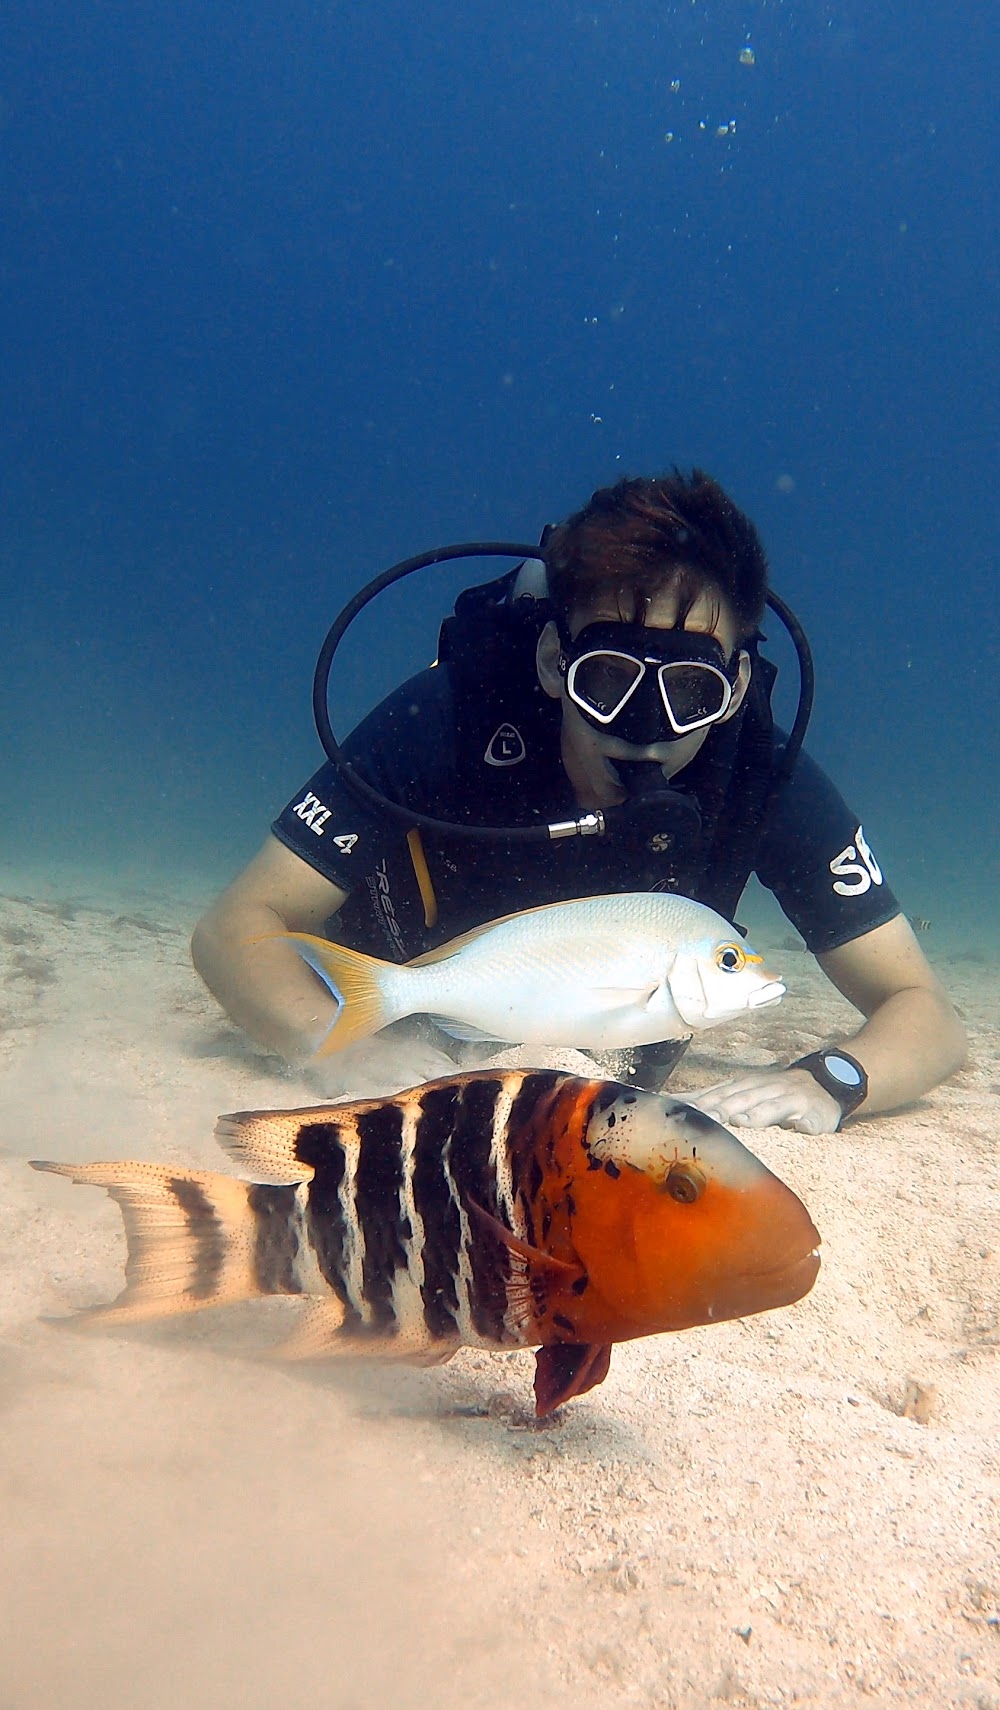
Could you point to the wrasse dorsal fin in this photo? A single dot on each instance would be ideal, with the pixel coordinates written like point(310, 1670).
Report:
point(566, 1369)
point(265, 1141)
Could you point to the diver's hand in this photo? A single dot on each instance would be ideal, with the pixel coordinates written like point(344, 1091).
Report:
point(761, 1098)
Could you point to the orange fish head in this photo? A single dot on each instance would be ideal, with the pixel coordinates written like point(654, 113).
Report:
point(691, 1228)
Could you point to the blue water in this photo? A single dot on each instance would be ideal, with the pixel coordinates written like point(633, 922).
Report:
point(287, 292)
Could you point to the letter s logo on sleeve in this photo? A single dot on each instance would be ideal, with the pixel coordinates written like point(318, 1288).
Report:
point(856, 868)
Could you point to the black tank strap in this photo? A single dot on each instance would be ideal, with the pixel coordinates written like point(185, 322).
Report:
point(502, 714)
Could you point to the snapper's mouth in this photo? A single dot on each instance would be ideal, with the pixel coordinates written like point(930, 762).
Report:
point(772, 992)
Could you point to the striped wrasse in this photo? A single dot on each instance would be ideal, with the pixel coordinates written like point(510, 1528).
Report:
point(497, 1209)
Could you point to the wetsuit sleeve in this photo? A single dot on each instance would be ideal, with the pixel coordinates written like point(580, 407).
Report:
point(820, 866)
point(406, 749)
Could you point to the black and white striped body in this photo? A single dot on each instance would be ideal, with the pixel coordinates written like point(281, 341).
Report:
point(388, 1221)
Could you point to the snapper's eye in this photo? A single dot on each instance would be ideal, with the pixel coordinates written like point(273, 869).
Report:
point(685, 1183)
point(731, 958)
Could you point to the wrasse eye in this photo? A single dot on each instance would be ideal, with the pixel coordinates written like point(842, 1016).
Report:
point(685, 1183)
point(731, 958)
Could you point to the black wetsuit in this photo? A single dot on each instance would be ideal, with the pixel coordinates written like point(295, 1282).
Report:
point(811, 853)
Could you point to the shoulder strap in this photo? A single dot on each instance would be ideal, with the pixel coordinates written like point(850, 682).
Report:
point(501, 711)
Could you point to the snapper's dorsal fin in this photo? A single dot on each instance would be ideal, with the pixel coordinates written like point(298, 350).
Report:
point(453, 945)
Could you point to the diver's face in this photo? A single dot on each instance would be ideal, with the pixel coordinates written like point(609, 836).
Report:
point(588, 754)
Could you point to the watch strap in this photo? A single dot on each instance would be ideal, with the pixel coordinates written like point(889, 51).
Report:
point(839, 1074)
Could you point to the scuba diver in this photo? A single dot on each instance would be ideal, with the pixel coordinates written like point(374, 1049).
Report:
point(598, 721)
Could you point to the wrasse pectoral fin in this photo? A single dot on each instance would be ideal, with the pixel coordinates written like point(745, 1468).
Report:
point(566, 1369)
point(562, 1270)
point(533, 1277)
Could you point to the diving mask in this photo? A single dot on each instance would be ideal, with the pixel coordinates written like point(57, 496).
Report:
point(648, 685)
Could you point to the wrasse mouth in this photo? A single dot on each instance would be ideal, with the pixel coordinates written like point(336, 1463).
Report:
point(791, 1280)
point(787, 1263)
point(807, 1255)
point(763, 1291)
point(766, 994)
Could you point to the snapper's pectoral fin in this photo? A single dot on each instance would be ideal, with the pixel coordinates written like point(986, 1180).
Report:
point(566, 1369)
point(687, 990)
point(626, 997)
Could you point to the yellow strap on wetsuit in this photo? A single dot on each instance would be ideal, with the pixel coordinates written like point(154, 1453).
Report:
point(423, 875)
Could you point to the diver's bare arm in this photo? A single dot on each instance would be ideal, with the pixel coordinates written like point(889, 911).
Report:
point(260, 982)
point(912, 1039)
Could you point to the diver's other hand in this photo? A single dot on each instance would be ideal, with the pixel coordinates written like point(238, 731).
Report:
point(762, 1098)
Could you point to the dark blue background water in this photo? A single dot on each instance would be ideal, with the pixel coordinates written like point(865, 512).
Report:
point(291, 291)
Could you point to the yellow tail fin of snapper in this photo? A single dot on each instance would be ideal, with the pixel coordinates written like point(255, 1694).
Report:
point(493, 1209)
point(358, 984)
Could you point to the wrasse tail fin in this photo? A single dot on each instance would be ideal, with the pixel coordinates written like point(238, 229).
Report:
point(566, 1369)
point(192, 1238)
point(354, 980)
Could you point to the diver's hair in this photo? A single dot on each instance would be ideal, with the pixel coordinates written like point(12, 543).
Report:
point(644, 536)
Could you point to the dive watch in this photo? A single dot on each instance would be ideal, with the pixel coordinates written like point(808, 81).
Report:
point(839, 1074)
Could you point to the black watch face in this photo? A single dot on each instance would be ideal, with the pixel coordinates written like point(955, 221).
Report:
point(840, 1069)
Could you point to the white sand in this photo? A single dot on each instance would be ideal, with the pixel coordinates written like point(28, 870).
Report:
point(742, 1514)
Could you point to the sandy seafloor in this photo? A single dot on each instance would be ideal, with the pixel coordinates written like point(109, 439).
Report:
point(803, 1508)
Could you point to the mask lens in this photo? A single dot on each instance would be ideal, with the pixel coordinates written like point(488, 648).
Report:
point(602, 682)
point(693, 694)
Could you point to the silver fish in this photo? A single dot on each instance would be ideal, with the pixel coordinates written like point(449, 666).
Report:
point(601, 973)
